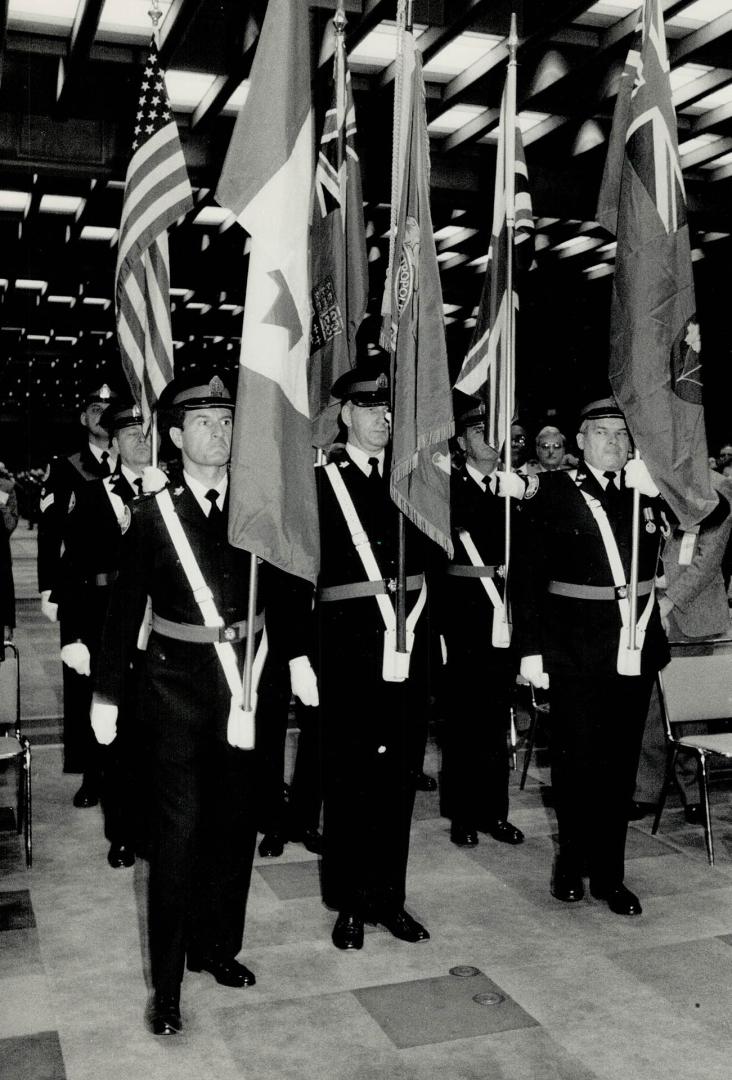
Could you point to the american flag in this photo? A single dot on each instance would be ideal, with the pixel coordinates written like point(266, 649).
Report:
point(485, 367)
point(157, 193)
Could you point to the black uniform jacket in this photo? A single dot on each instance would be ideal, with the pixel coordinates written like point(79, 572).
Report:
point(149, 566)
point(464, 600)
point(90, 561)
point(66, 476)
point(340, 563)
point(557, 539)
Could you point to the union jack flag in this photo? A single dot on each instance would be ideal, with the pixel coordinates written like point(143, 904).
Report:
point(655, 346)
point(486, 367)
point(339, 268)
point(157, 193)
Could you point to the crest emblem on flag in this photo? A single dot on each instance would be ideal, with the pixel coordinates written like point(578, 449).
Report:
point(686, 369)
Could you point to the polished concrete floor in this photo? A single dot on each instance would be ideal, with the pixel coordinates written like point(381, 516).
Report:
point(513, 985)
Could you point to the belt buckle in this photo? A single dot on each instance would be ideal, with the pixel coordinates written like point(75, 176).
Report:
point(621, 592)
point(228, 633)
point(391, 584)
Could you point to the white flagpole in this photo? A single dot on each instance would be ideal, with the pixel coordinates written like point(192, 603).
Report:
point(509, 176)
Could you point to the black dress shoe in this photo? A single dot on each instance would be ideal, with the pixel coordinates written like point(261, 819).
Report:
point(638, 810)
point(403, 926)
point(566, 885)
point(120, 855)
point(423, 782)
point(694, 813)
point(86, 796)
point(311, 840)
point(620, 900)
point(463, 837)
point(165, 1015)
point(272, 845)
point(348, 931)
point(503, 831)
point(225, 969)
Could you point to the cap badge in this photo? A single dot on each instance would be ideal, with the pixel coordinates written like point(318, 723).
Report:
point(216, 388)
point(381, 381)
point(105, 392)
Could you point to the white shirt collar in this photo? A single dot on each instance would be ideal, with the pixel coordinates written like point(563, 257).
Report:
point(97, 452)
point(361, 458)
point(199, 490)
point(599, 475)
point(130, 476)
point(479, 477)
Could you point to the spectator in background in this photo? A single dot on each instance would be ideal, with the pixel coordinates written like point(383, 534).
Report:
point(8, 500)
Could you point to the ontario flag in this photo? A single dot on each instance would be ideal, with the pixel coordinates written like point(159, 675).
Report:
point(157, 193)
point(422, 417)
point(655, 366)
point(339, 264)
point(486, 367)
point(266, 182)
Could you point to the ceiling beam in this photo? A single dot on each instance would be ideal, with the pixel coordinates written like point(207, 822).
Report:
point(72, 65)
point(711, 118)
point(175, 27)
point(224, 86)
point(462, 14)
point(705, 153)
point(699, 39)
point(373, 12)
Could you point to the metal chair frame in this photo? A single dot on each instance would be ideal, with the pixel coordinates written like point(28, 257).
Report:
point(696, 686)
point(537, 710)
point(21, 754)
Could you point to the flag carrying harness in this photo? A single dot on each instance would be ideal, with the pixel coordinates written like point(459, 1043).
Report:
point(396, 664)
point(240, 729)
point(501, 632)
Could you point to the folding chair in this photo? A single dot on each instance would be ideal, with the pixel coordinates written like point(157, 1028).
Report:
point(696, 686)
point(14, 746)
point(537, 711)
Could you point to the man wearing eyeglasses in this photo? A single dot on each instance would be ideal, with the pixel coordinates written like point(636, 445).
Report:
point(550, 449)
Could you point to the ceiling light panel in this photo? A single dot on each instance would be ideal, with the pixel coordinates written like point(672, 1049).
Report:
point(378, 49)
point(458, 55)
point(42, 16)
point(714, 100)
point(61, 204)
point(697, 143)
point(15, 201)
point(99, 232)
point(455, 118)
point(186, 89)
point(724, 159)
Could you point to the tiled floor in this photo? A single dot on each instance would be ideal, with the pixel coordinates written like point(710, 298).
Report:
point(564, 992)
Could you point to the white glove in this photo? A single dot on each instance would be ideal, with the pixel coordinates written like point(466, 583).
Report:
point(49, 610)
point(76, 656)
point(532, 669)
point(104, 721)
point(153, 479)
point(510, 485)
point(638, 476)
point(303, 681)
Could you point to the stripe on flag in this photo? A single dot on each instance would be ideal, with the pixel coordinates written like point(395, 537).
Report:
point(157, 193)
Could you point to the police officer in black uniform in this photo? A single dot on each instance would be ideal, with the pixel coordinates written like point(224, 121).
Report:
point(89, 567)
point(203, 820)
point(569, 606)
point(480, 676)
point(64, 478)
point(371, 743)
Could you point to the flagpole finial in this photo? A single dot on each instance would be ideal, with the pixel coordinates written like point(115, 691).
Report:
point(339, 19)
point(155, 14)
point(513, 35)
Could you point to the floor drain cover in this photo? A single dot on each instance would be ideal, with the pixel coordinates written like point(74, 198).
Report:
point(464, 971)
point(489, 998)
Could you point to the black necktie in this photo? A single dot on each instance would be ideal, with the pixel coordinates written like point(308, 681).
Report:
point(612, 494)
point(374, 475)
point(138, 485)
point(487, 485)
point(215, 513)
point(105, 463)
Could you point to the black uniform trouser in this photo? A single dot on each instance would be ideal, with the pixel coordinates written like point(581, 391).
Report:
point(479, 685)
point(80, 746)
point(124, 768)
point(203, 821)
point(273, 709)
point(368, 737)
point(596, 727)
